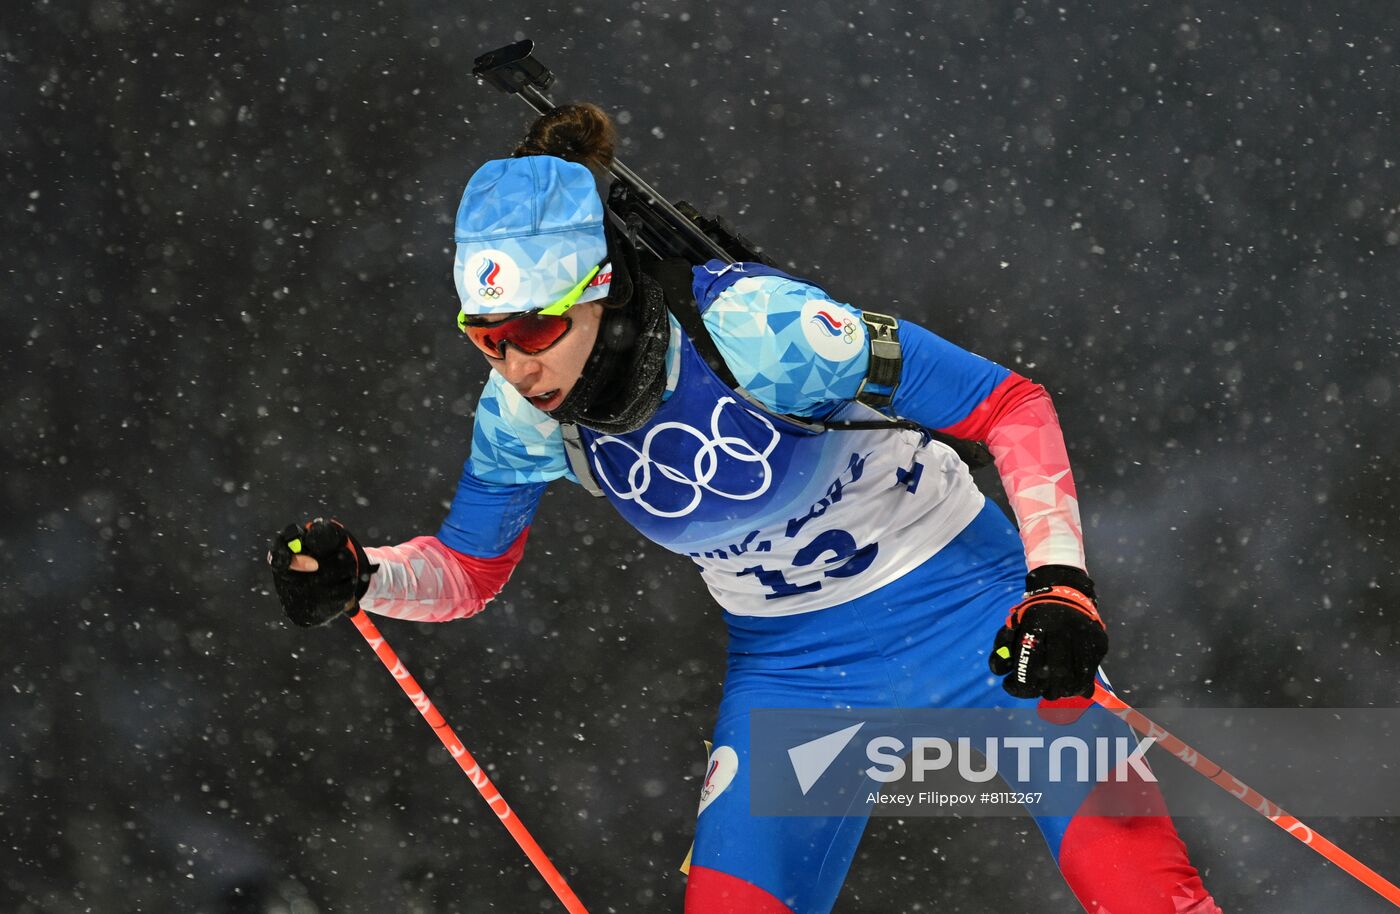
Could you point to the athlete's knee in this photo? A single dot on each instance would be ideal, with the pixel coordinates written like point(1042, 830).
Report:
point(710, 891)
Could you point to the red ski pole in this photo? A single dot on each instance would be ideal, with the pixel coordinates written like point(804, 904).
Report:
point(1247, 795)
point(488, 790)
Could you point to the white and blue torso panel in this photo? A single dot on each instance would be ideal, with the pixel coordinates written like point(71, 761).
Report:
point(779, 519)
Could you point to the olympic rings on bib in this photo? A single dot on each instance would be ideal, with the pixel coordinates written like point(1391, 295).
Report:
point(704, 465)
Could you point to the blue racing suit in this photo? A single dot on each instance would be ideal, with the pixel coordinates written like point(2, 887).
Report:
point(857, 568)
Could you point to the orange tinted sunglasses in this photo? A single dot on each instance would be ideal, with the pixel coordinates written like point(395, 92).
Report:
point(531, 332)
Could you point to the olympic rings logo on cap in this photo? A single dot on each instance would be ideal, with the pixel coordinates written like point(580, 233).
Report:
point(489, 276)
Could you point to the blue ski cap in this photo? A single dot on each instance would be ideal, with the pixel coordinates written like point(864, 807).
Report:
point(528, 230)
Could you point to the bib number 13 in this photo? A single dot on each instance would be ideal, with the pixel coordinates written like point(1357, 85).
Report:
point(838, 551)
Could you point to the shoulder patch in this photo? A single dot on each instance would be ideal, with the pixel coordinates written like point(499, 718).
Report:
point(833, 331)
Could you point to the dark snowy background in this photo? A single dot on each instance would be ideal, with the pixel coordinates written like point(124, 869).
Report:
point(227, 305)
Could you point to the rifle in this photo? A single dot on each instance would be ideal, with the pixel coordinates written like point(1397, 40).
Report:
point(668, 231)
point(662, 229)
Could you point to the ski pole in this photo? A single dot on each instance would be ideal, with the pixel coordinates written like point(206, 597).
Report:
point(464, 759)
point(1247, 795)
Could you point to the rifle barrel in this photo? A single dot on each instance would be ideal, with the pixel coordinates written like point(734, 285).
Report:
point(514, 69)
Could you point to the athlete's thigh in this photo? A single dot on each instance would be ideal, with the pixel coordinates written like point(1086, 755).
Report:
point(762, 864)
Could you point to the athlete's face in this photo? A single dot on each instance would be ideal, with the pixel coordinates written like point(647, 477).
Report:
point(546, 378)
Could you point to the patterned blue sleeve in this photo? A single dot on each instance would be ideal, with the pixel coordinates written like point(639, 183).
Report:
point(801, 352)
point(789, 343)
point(516, 451)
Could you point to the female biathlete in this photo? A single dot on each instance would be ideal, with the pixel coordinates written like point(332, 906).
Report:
point(856, 568)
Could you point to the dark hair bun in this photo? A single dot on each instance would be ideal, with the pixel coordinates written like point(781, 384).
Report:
point(580, 133)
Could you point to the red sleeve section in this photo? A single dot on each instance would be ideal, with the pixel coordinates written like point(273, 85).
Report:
point(1004, 398)
point(424, 580)
point(491, 575)
point(1018, 422)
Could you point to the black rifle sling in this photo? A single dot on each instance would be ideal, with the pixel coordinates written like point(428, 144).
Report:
point(674, 275)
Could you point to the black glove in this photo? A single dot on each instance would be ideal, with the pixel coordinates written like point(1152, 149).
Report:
point(340, 579)
point(1053, 639)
